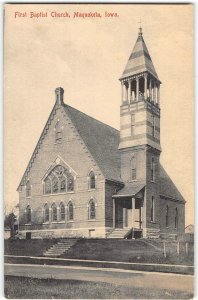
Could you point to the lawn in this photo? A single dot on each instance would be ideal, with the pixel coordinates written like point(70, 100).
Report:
point(32, 288)
point(105, 249)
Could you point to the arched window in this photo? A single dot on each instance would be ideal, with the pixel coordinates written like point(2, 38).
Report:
point(28, 189)
point(59, 180)
point(28, 214)
point(55, 185)
point(62, 184)
point(153, 125)
point(167, 216)
point(70, 211)
point(92, 210)
point(70, 182)
point(133, 168)
point(152, 210)
point(62, 212)
point(152, 169)
point(92, 180)
point(176, 218)
point(46, 213)
point(54, 212)
point(58, 132)
point(48, 186)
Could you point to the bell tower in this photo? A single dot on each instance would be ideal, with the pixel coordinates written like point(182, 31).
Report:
point(139, 115)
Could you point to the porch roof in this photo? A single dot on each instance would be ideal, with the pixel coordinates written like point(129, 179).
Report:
point(130, 189)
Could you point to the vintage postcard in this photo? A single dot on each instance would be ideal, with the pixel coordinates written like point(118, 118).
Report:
point(98, 151)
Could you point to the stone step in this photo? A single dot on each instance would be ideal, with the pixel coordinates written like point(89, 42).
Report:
point(59, 248)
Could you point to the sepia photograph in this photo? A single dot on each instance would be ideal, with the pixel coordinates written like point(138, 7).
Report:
point(98, 151)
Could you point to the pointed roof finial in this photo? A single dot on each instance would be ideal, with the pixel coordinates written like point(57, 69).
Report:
point(140, 28)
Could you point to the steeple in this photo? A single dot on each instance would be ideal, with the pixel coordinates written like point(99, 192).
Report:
point(139, 60)
point(140, 113)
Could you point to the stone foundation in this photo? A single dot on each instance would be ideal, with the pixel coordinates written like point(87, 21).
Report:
point(65, 233)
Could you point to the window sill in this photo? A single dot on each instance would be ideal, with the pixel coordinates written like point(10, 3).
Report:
point(94, 220)
point(29, 197)
point(153, 222)
point(70, 221)
point(64, 193)
point(57, 222)
point(90, 190)
point(28, 224)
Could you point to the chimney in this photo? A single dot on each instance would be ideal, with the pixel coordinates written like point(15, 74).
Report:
point(59, 95)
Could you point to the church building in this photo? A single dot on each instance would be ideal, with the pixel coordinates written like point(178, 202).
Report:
point(87, 179)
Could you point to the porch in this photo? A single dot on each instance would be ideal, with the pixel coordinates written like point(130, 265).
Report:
point(128, 211)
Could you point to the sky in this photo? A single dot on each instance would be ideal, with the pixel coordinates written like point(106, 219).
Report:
point(86, 56)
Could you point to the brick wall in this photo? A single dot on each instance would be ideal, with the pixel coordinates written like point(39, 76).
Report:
point(73, 155)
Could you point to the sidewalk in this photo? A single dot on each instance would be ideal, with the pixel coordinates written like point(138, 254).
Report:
point(150, 267)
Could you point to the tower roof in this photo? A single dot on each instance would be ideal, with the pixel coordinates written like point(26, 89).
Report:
point(139, 60)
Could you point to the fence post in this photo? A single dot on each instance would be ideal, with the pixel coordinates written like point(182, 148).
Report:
point(164, 252)
point(178, 248)
point(187, 248)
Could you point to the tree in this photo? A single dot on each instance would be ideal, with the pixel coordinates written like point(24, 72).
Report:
point(9, 222)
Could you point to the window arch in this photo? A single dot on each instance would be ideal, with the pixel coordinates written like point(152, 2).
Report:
point(133, 168)
point(92, 180)
point(28, 214)
point(54, 212)
point(70, 211)
point(28, 189)
point(176, 218)
point(92, 210)
point(48, 186)
point(59, 180)
point(152, 210)
point(152, 169)
point(58, 132)
point(62, 212)
point(62, 184)
point(167, 216)
point(153, 125)
point(46, 213)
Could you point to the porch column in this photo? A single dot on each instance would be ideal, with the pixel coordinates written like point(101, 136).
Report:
point(150, 92)
point(145, 86)
point(129, 91)
point(122, 90)
point(154, 93)
point(137, 88)
point(126, 92)
point(158, 94)
point(132, 211)
point(113, 213)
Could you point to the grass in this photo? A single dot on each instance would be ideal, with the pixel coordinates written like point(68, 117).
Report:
point(34, 247)
point(32, 288)
point(105, 249)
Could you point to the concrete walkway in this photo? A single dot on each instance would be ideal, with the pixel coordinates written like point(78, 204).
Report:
point(169, 268)
point(176, 282)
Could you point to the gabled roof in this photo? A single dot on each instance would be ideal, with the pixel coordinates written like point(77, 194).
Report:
point(130, 189)
point(167, 186)
point(139, 60)
point(101, 140)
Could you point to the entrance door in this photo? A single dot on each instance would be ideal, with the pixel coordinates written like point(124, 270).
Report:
point(118, 215)
point(125, 217)
point(138, 218)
